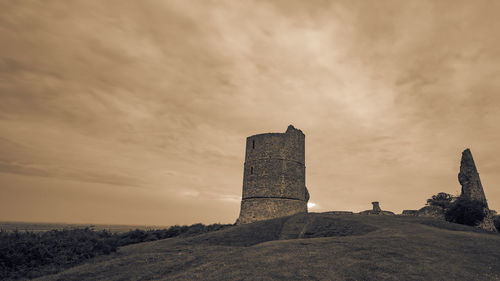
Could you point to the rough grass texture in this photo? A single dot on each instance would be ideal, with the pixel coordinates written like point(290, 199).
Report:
point(32, 254)
point(309, 247)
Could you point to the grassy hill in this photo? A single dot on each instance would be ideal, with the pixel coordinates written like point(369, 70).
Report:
point(309, 247)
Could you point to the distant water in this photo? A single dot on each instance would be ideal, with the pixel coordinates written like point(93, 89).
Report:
point(39, 227)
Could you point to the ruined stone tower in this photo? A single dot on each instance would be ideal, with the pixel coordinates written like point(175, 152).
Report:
point(376, 207)
point(274, 176)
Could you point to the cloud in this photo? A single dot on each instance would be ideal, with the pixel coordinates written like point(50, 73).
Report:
point(159, 97)
point(230, 198)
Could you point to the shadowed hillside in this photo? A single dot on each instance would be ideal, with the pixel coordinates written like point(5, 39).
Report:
point(309, 247)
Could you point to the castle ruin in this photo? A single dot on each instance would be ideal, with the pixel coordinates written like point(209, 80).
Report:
point(376, 210)
point(274, 176)
point(472, 189)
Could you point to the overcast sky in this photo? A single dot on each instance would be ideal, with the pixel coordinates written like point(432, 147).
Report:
point(136, 112)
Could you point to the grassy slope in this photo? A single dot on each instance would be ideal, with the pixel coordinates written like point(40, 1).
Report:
point(359, 248)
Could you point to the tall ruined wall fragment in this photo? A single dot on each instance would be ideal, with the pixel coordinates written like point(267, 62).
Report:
point(274, 176)
point(472, 189)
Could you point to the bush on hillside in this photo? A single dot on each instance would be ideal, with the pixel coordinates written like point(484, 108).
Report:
point(443, 200)
point(466, 212)
point(30, 254)
point(137, 236)
point(496, 220)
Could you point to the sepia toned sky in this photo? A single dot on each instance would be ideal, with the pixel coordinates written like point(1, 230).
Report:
point(136, 112)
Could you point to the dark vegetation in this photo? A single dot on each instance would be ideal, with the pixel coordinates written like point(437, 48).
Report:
point(138, 236)
point(443, 200)
point(466, 212)
point(30, 254)
point(496, 220)
point(459, 210)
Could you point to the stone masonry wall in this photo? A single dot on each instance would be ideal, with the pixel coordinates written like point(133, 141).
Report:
point(472, 189)
point(269, 208)
point(274, 169)
point(274, 165)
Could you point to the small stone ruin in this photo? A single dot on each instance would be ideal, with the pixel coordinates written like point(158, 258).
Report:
point(376, 210)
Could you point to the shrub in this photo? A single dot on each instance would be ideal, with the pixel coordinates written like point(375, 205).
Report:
point(137, 236)
point(443, 200)
point(466, 212)
point(496, 220)
point(30, 255)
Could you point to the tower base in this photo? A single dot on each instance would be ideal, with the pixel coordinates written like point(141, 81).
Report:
point(257, 209)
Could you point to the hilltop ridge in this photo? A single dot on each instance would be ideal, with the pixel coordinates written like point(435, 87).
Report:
point(315, 246)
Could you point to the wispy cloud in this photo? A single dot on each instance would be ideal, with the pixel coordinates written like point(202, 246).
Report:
point(158, 97)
